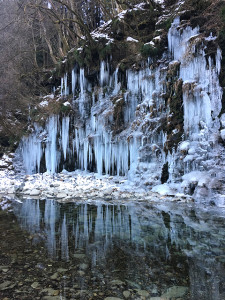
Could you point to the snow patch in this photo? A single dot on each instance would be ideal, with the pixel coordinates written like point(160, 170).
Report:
point(130, 39)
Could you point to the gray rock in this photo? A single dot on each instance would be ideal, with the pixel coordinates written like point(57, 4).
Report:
point(5, 285)
point(112, 298)
point(50, 292)
point(81, 273)
point(83, 266)
point(61, 270)
point(175, 292)
point(79, 256)
point(54, 276)
point(53, 298)
point(142, 293)
point(116, 282)
point(35, 285)
point(126, 294)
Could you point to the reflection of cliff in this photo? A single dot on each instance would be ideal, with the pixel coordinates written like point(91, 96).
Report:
point(206, 278)
point(135, 241)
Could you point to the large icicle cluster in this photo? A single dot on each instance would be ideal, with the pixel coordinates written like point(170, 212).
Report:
point(202, 97)
point(120, 129)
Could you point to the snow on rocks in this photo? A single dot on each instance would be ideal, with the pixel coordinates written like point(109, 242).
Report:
point(163, 189)
point(6, 162)
point(43, 103)
point(78, 185)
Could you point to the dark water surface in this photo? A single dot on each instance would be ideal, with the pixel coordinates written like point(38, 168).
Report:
point(52, 250)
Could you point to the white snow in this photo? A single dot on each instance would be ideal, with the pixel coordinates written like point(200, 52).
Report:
point(43, 103)
point(184, 146)
point(211, 37)
point(67, 104)
point(130, 39)
point(163, 189)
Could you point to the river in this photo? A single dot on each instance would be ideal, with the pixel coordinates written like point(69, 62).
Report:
point(111, 250)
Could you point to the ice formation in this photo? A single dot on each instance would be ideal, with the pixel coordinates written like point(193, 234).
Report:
point(120, 131)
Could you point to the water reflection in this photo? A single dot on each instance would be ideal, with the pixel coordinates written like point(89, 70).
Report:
point(150, 248)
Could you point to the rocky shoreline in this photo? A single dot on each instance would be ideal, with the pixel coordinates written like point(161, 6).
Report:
point(78, 185)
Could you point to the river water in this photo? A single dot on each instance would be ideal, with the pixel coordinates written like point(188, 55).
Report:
point(98, 250)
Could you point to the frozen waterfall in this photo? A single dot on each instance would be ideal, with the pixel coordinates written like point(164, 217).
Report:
point(121, 129)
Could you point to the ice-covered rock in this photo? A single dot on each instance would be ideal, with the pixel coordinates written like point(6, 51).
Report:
point(222, 133)
point(35, 192)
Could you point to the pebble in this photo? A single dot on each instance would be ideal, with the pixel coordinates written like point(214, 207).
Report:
point(61, 270)
point(113, 298)
point(54, 276)
point(126, 294)
point(116, 282)
point(142, 293)
point(83, 266)
point(79, 256)
point(50, 292)
point(5, 270)
point(35, 285)
point(175, 292)
point(81, 273)
point(5, 285)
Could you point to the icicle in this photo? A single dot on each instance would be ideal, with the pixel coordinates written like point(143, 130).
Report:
point(218, 60)
point(49, 5)
point(178, 38)
point(32, 151)
point(104, 73)
point(74, 80)
point(66, 88)
point(82, 81)
point(65, 134)
point(116, 83)
point(51, 158)
point(62, 85)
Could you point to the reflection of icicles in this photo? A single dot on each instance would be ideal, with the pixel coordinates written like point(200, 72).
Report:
point(50, 220)
point(31, 210)
point(64, 240)
point(167, 253)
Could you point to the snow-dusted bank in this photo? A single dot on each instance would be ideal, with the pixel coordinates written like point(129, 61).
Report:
point(79, 185)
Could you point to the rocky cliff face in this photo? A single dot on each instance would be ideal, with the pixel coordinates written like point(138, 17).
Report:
point(149, 107)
